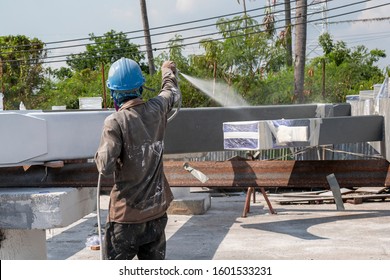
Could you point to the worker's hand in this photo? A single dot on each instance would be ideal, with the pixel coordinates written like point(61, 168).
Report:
point(169, 65)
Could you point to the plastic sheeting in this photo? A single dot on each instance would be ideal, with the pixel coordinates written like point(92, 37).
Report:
point(271, 134)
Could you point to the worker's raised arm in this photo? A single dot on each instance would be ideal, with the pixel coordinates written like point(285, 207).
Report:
point(170, 88)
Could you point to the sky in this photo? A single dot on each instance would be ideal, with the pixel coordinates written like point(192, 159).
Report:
point(53, 21)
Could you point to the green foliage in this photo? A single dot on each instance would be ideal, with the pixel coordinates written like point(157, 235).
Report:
point(247, 59)
point(21, 70)
point(85, 83)
point(326, 43)
point(105, 49)
point(347, 71)
point(277, 88)
point(246, 55)
point(191, 96)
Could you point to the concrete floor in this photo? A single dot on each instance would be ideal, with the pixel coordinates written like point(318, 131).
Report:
point(296, 232)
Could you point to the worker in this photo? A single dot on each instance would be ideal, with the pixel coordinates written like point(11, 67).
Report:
point(131, 147)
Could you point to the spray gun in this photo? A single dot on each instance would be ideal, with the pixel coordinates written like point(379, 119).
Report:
point(179, 101)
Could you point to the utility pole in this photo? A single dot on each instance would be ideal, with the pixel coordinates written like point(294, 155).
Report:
point(287, 22)
point(104, 87)
point(300, 49)
point(148, 41)
point(2, 84)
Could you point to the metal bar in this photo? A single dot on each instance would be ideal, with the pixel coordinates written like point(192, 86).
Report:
point(226, 174)
point(271, 209)
point(334, 186)
point(247, 204)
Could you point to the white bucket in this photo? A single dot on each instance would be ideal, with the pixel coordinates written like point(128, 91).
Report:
point(90, 102)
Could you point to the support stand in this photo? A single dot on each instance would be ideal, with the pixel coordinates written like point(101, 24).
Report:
point(250, 191)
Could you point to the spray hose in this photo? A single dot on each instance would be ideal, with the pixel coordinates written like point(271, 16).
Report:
point(100, 177)
point(98, 216)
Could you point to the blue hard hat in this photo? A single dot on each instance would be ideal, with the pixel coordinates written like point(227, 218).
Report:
point(125, 74)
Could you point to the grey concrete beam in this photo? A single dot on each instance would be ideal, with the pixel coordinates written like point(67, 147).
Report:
point(201, 131)
point(355, 129)
point(34, 208)
point(35, 137)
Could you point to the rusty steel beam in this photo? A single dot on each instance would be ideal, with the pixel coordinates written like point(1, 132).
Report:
point(294, 174)
point(227, 174)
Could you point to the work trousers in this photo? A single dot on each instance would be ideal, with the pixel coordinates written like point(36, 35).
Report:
point(146, 240)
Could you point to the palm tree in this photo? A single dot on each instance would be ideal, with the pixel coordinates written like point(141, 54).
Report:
point(243, 2)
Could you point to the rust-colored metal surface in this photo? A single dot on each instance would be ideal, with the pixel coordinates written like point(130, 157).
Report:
point(291, 174)
point(349, 173)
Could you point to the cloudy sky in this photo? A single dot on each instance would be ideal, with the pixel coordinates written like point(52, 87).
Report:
point(52, 21)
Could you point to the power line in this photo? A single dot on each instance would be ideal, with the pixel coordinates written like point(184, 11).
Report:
point(141, 30)
point(186, 29)
point(217, 39)
point(161, 27)
point(257, 25)
point(240, 35)
point(360, 20)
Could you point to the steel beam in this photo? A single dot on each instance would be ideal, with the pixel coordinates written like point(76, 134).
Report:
point(227, 174)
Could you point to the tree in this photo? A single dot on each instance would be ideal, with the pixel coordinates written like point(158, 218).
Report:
point(244, 4)
point(105, 50)
point(191, 97)
point(349, 70)
point(300, 49)
point(22, 71)
point(269, 20)
point(213, 50)
point(67, 90)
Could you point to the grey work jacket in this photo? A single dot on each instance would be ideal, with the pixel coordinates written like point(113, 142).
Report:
point(132, 146)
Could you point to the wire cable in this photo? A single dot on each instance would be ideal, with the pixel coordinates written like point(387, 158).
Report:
point(210, 40)
point(175, 31)
point(169, 32)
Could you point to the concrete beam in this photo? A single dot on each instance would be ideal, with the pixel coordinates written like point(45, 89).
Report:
point(69, 135)
point(26, 213)
point(201, 131)
point(35, 208)
point(23, 244)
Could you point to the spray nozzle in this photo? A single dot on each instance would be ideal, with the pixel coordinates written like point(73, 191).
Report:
point(178, 72)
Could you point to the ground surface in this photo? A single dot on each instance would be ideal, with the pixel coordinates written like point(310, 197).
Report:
point(297, 232)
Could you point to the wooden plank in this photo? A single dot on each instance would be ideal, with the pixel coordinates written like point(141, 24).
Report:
point(342, 190)
point(323, 198)
point(300, 200)
point(313, 194)
point(373, 190)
